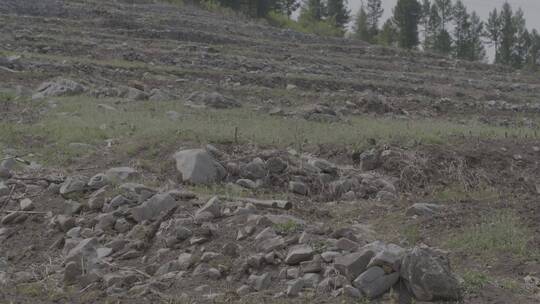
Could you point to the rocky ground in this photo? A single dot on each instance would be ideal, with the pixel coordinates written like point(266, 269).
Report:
point(161, 153)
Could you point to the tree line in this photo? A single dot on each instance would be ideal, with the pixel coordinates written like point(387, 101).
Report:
point(440, 26)
point(446, 27)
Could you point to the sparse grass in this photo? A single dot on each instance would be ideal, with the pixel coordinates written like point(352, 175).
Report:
point(412, 234)
point(457, 192)
point(143, 125)
point(473, 281)
point(287, 228)
point(502, 232)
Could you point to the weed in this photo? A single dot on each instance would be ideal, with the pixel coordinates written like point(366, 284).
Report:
point(474, 281)
point(502, 232)
point(287, 228)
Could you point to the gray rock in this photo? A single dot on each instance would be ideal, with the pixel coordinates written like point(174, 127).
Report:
point(254, 170)
point(72, 272)
point(276, 165)
point(390, 256)
point(294, 287)
point(59, 87)
point(4, 190)
point(213, 206)
point(423, 209)
point(121, 174)
point(352, 265)
point(198, 167)
point(247, 183)
point(98, 181)
point(351, 292)
point(84, 254)
point(260, 282)
point(182, 233)
point(323, 165)
point(184, 261)
point(135, 94)
point(242, 290)
point(330, 256)
point(346, 244)
point(427, 274)
point(97, 199)
point(26, 204)
point(73, 185)
point(369, 160)
point(153, 207)
point(374, 282)
point(311, 280)
point(299, 254)
point(213, 100)
point(298, 188)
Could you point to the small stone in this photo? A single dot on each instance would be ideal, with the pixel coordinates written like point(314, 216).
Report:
point(260, 282)
point(298, 188)
point(213, 206)
point(294, 287)
point(351, 292)
point(242, 290)
point(299, 254)
point(347, 245)
point(72, 272)
point(26, 204)
point(374, 282)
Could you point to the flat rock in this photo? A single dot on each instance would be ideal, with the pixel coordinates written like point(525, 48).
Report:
point(153, 207)
point(299, 254)
point(374, 282)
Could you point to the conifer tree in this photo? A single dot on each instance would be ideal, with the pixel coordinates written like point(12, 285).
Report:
point(361, 27)
point(406, 17)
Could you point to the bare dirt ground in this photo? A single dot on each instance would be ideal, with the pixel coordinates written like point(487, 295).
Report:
point(353, 136)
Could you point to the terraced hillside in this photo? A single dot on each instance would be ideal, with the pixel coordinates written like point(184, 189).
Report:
point(168, 154)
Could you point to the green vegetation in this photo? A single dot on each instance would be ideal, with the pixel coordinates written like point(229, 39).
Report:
point(458, 192)
point(473, 281)
point(140, 126)
point(501, 232)
point(287, 228)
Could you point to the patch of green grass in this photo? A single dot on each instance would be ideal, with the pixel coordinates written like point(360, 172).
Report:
point(412, 234)
point(501, 232)
point(457, 192)
point(144, 126)
point(473, 281)
point(287, 228)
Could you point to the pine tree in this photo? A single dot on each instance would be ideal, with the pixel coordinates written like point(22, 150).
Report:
point(374, 13)
point(508, 33)
point(432, 29)
point(407, 15)
point(287, 7)
point(533, 60)
point(338, 12)
point(442, 40)
point(445, 12)
point(312, 10)
point(461, 31)
point(388, 34)
point(477, 51)
point(424, 20)
point(522, 40)
point(493, 30)
point(361, 27)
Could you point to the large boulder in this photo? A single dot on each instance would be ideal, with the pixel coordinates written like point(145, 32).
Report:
point(197, 166)
point(59, 87)
point(427, 274)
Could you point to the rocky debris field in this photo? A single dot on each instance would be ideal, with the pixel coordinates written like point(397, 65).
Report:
point(110, 233)
point(159, 153)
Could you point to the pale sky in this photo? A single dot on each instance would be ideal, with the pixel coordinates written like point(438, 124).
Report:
point(531, 8)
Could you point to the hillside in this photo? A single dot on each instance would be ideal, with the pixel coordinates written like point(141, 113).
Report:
point(156, 153)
